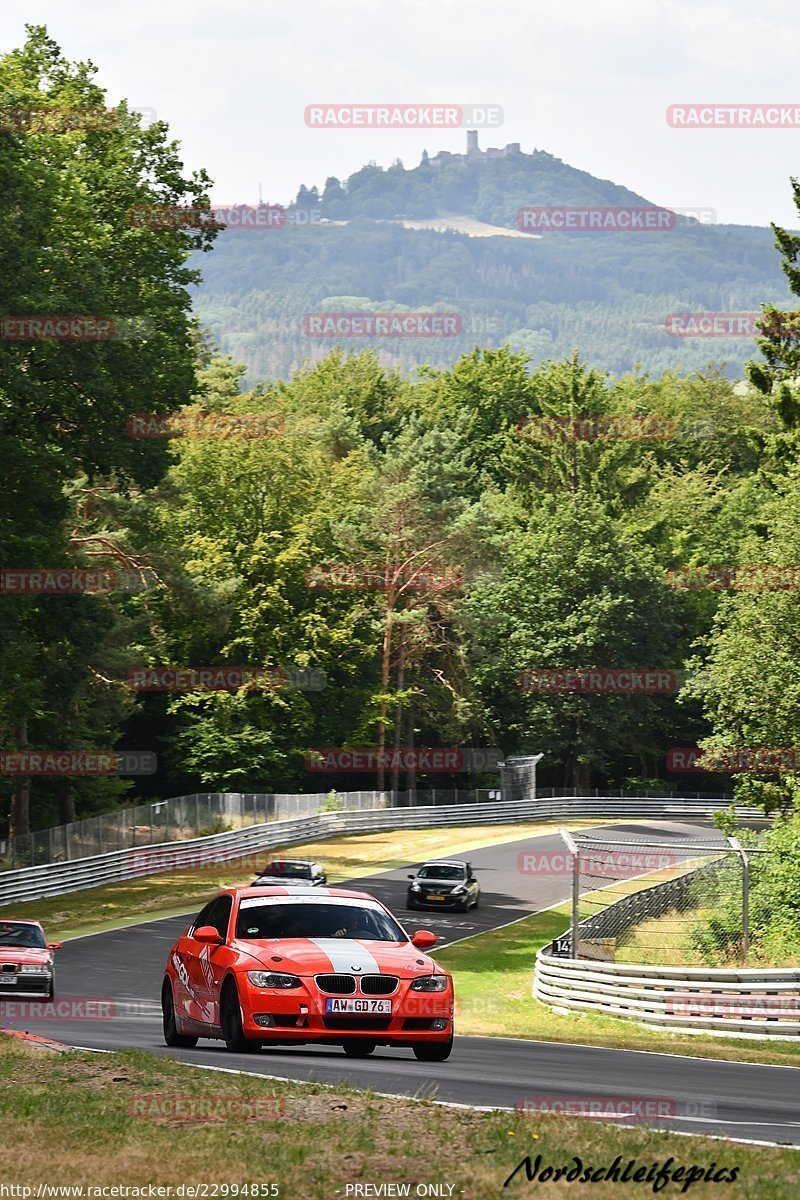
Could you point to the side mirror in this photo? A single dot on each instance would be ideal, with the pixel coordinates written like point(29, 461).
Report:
point(208, 935)
point(54, 945)
point(412, 877)
point(423, 938)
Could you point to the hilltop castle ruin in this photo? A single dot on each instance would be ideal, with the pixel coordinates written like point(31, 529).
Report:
point(474, 153)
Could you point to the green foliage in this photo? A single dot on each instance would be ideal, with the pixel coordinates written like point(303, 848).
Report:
point(774, 901)
point(333, 802)
point(554, 550)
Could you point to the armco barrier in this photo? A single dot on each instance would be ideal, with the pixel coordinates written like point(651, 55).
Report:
point(55, 879)
point(660, 995)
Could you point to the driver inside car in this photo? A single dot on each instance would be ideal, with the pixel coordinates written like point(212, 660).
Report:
point(349, 926)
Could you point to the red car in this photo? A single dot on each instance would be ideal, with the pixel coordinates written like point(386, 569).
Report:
point(26, 961)
point(289, 965)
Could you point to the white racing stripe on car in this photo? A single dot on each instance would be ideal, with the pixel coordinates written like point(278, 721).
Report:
point(347, 956)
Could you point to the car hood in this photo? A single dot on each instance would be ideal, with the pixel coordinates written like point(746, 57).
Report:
point(23, 954)
point(311, 956)
point(281, 881)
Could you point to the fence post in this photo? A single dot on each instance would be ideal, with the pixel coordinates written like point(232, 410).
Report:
point(739, 848)
point(576, 885)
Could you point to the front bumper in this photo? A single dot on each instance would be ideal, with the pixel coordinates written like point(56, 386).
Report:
point(22, 987)
point(416, 900)
point(299, 1016)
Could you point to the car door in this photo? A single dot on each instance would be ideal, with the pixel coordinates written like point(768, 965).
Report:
point(185, 965)
point(199, 960)
point(208, 975)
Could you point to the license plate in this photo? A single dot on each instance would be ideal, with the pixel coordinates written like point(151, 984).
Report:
point(366, 1007)
point(432, 897)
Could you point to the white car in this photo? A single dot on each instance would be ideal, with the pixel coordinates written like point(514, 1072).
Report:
point(291, 872)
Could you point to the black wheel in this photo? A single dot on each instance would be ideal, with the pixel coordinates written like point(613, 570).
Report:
point(477, 902)
point(433, 1051)
point(410, 907)
point(231, 1016)
point(171, 1035)
point(358, 1049)
point(51, 991)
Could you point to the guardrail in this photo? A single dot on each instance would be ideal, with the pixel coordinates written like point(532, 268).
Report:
point(743, 1003)
point(55, 879)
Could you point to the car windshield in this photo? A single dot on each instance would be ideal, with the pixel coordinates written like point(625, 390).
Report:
point(441, 871)
point(291, 870)
point(29, 936)
point(262, 919)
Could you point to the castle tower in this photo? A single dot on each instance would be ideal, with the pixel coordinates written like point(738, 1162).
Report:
point(472, 142)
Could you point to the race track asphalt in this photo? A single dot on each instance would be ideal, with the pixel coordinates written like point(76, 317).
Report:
point(112, 983)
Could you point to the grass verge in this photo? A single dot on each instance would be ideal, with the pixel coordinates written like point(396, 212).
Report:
point(671, 939)
point(173, 892)
point(105, 1120)
point(494, 978)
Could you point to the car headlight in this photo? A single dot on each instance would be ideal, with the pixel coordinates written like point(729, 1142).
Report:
point(415, 887)
point(36, 969)
point(270, 979)
point(461, 887)
point(429, 983)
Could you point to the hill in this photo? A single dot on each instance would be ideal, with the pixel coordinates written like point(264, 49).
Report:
point(445, 236)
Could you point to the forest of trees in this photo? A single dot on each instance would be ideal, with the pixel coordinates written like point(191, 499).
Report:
point(510, 551)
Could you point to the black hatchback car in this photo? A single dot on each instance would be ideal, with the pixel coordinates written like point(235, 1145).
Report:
point(444, 884)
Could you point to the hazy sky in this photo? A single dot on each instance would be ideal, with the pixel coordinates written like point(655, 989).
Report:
point(589, 82)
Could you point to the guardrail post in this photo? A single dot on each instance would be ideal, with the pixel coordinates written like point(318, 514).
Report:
point(576, 886)
point(739, 848)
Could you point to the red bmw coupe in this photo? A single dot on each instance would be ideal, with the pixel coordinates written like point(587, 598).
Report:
point(26, 961)
point(279, 965)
